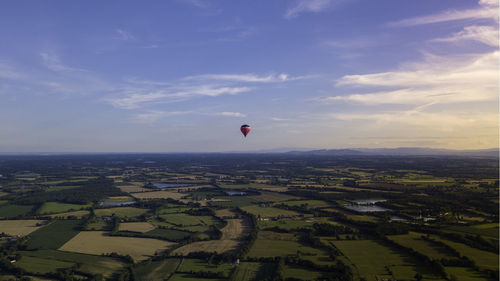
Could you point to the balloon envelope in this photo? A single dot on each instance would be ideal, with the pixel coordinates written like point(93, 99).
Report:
point(245, 129)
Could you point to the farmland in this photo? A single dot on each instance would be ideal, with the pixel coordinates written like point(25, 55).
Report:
point(55, 207)
point(86, 263)
point(261, 217)
point(53, 235)
point(97, 243)
point(19, 227)
point(368, 261)
point(266, 212)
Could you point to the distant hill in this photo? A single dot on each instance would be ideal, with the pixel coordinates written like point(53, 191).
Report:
point(401, 151)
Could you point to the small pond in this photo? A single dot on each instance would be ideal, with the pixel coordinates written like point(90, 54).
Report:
point(233, 193)
point(366, 208)
point(367, 201)
point(115, 204)
point(169, 185)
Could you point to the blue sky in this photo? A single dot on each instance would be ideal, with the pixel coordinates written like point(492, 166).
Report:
point(183, 75)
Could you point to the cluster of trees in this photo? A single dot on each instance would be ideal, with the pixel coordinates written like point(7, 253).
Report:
point(91, 191)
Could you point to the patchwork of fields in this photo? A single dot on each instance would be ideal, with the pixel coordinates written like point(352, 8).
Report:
point(266, 219)
point(98, 242)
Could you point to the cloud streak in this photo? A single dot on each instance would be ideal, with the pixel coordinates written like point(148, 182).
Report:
point(249, 78)
point(138, 100)
point(487, 10)
point(439, 80)
point(309, 6)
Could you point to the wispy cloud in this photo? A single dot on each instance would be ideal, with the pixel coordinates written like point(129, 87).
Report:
point(231, 33)
point(485, 34)
point(121, 34)
point(438, 80)
point(152, 116)
point(431, 121)
point(250, 78)
point(488, 9)
point(309, 6)
point(232, 114)
point(53, 62)
point(203, 4)
point(8, 72)
point(280, 119)
point(137, 99)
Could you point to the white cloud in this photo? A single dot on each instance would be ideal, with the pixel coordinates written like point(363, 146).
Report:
point(416, 119)
point(133, 101)
point(53, 62)
point(152, 116)
point(487, 10)
point(250, 78)
point(308, 6)
point(123, 35)
point(138, 99)
point(203, 4)
point(280, 119)
point(438, 80)
point(8, 72)
point(485, 34)
point(232, 114)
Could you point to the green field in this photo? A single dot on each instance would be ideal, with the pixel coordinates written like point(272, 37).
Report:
point(195, 265)
point(413, 240)
point(371, 259)
point(182, 219)
point(86, 263)
point(170, 234)
point(250, 271)
point(189, 277)
point(60, 187)
point(267, 212)
point(53, 235)
point(156, 270)
point(56, 207)
point(41, 265)
point(121, 212)
point(173, 210)
point(489, 230)
point(265, 247)
point(77, 214)
point(288, 224)
point(465, 274)
point(483, 259)
point(303, 274)
point(308, 203)
point(233, 201)
point(12, 211)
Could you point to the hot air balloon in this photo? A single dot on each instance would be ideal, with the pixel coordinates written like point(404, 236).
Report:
point(245, 129)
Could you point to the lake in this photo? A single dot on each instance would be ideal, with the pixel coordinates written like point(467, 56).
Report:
point(366, 208)
point(115, 204)
point(169, 185)
point(367, 201)
point(232, 193)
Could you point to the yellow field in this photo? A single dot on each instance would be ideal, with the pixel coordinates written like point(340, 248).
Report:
point(231, 235)
point(218, 246)
point(97, 242)
point(273, 196)
point(19, 227)
point(225, 213)
point(120, 199)
point(234, 230)
point(136, 226)
point(132, 188)
point(159, 194)
point(77, 214)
